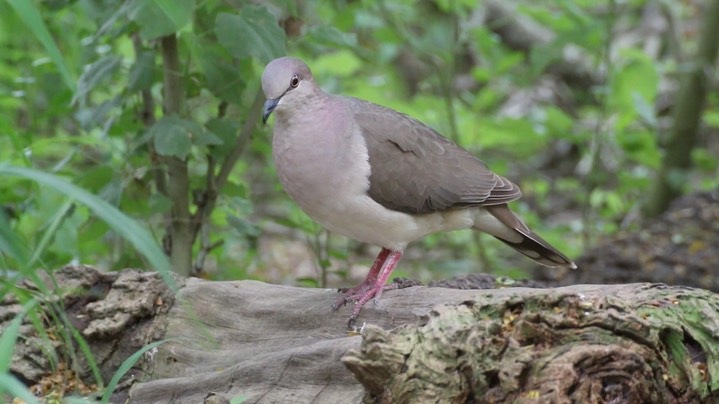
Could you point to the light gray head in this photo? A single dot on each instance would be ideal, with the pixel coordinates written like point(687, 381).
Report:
point(285, 80)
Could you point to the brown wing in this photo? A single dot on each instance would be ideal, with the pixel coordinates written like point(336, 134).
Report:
point(416, 170)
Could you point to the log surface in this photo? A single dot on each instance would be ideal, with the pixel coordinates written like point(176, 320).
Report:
point(269, 343)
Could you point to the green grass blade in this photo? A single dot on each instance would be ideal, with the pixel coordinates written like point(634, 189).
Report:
point(50, 232)
point(87, 353)
point(11, 244)
point(125, 226)
point(78, 400)
point(9, 338)
point(31, 17)
point(11, 385)
point(126, 365)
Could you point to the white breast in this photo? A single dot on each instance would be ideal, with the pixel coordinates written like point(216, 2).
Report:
point(328, 176)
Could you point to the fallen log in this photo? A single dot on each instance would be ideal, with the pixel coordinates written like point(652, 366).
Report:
point(271, 343)
point(586, 343)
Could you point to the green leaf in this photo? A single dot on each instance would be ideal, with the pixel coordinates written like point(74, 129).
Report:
point(635, 79)
point(328, 35)
point(125, 226)
point(141, 74)
point(173, 136)
point(243, 226)
point(94, 75)
point(252, 32)
point(30, 16)
point(158, 18)
point(703, 159)
point(223, 78)
point(342, 63)
point(11, 244)
point(205, 138)
point(127, 365)
point(97, 178)
point(226, 130)
point(558, 123)
point(711, 118)
point(645, 110)
point(159, 203)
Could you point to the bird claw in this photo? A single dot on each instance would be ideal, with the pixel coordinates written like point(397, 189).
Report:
point(373, 285)
point(354, 294)
point(360, 295)
point(351, 324)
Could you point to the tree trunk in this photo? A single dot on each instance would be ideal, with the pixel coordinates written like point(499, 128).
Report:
point(270, 343)
point(687, 114)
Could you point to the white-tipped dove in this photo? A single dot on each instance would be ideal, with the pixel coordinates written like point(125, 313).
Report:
point(381, 177)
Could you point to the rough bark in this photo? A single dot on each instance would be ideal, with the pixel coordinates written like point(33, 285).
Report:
point(117, 313)
point(270, 343)
point(639, 343)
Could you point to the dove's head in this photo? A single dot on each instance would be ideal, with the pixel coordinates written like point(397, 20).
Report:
point(286, 81)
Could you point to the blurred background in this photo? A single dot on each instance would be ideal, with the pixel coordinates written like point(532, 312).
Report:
point(153, 106)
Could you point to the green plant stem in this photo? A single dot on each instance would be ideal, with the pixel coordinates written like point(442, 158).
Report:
point(147, 115)
point(178, 184)
point(596, 147)
point(215, 183)
point(253, 115)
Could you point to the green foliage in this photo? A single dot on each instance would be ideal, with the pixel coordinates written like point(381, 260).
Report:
point(28, 12)
point(86, 134)
point(110, 139)
point(131, 231)
point(158, 18)
point(263, 39)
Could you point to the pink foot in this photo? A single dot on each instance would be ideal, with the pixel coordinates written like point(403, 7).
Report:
point(373, 285)
point(363, 291)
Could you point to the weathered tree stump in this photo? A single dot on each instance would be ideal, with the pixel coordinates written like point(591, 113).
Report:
point(270, 343)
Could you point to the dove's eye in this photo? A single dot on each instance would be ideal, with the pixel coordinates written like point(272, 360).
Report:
point(294, 82)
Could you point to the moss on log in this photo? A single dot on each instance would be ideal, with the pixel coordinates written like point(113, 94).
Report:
point(639, 343)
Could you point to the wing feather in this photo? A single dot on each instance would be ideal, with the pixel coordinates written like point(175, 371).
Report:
point(416, 170)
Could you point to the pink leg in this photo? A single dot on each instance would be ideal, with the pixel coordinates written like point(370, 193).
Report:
point(357, 291)
point(387, 268)
point(377, 265)
point(376, 289)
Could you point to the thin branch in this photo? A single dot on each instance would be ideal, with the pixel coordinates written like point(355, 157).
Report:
point(594, 168)
point(147, 115)
point(215, 183)
point(249, 125)
point(205, 249)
